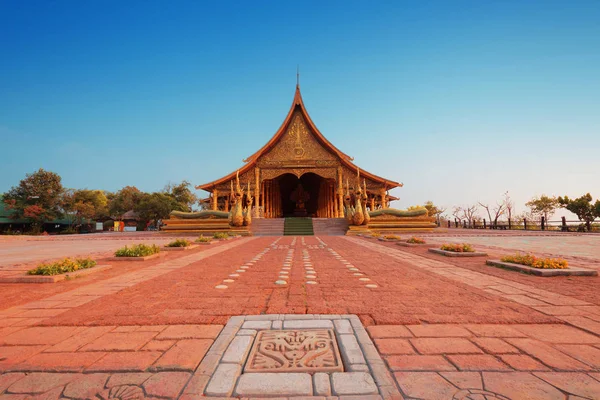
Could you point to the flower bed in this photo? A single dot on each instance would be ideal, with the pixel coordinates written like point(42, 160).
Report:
point(203, 240)
point(56, 271)
point(413, 242)
point(457, 250)
point(389, 238)
point(180, 245)
point(458, 247)
point(137, 252)
point(63, 266)
point(535, 262)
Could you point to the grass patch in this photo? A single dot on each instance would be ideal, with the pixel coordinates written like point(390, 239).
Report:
point(63, 266)
point(179, 243)
point(536, 262)
point(137, 250)
point(376, 234)
point(458, 247)
point(415, 240)
point(220, 235)
point(203, 239)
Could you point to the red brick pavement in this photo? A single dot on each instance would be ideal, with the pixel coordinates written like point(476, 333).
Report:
point(404, 294)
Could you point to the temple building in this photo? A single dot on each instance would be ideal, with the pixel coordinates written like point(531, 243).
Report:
point(298, 173)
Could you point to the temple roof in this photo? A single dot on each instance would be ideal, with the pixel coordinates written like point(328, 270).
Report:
point(298, 104)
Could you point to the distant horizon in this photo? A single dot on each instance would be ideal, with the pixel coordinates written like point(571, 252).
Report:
point(459, 101)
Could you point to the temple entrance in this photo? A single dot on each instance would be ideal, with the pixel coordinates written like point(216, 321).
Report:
point(300, 196)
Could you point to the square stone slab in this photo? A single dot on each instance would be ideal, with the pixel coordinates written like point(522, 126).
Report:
point(295, 351)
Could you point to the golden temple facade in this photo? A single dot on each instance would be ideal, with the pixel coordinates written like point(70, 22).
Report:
point(298, 173)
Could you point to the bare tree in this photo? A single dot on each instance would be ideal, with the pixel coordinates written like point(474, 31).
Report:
point(469, 213)
point(509, 205)
point(496, 211)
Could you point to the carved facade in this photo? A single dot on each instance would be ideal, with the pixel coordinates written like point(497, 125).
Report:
point(298, 152)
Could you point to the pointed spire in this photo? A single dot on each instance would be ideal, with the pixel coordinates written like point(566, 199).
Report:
point(298, 75)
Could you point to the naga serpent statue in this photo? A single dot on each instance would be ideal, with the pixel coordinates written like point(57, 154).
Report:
point(359, 217)
point(248, 208)
point(236, 215)
point(365, 198)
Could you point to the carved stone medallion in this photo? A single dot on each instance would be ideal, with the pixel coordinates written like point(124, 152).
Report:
point(295, 351)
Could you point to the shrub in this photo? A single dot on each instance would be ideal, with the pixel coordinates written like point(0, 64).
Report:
point(532, 261)
point(63, 266)
point(458, 247)
point(220, 235)
point(376, 234)
point(179, 243)
point(415, 240)
point(137, 250)
point(203, 239)
point(391, 237)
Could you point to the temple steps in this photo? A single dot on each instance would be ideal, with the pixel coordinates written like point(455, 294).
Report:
point(330, 226)
point(298, 227)
point(267, 226)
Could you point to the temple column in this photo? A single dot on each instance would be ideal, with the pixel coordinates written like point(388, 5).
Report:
point(256, 192)
point(330, 201)
point(335, 203)
point(372, 203)
point(383, 198)
point(268, 199)
point(227, 199)
point(215, 199)
point(340, 193)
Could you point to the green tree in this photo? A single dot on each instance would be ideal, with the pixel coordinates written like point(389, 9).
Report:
point(583, 208)
point(154, 206)
point(124, 200)
point(37, 197)
point(543, 206)
point(183, 196)
point(85, 204)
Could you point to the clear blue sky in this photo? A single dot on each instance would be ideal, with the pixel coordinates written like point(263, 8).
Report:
point(460, 100)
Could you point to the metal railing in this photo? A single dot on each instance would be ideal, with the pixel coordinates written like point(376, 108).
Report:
point(561, 225)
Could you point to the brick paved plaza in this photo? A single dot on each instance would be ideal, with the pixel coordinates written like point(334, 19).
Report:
point(300, 317)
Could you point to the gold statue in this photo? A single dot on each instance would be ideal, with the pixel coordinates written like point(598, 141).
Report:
point(300, 197)
point(358, 218)
point(248, 209)
point(365, 198)
point(237, 215)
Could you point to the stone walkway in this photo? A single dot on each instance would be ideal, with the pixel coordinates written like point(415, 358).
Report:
point(276, 317)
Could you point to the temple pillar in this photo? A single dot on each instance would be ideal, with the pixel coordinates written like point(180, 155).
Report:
point(383, 194)
point(335, 203)
point(227, 200)
point(215, 199)
point(372, 203)
point(340, 193)
point(256, 192)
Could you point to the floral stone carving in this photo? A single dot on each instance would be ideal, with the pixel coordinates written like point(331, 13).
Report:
point(295, 351)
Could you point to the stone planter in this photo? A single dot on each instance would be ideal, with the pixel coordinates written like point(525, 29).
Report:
point(405, 244)
point(52, 278)
point(571, 271)
point(135, 258)
point(192, 246)
point(457, 254)
point(203, 243)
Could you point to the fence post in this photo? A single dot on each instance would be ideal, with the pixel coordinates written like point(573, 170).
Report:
point(448, 224)
point(543, 223)
point(525, 223)
point(465, 224)
point(509, 224)
point(564, 224)
point(484, 225)
point(455, 223)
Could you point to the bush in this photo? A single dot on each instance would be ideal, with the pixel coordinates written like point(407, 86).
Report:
point(415, 240)
point(376, 234)
point(458, 247)
point(203, 239)
point(137, 250)
point(532, 261)
point(62, 266)
point(179, 243)
point(220, 235)
point(391, 237)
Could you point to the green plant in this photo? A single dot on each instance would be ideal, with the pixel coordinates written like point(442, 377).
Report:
point(415, 240)
point(220, 235)
point(203, 239)
point(532, 261)
point(137, 250)
point(179, 243)
point(63, 266)
point(458, 247)
point(376, 234)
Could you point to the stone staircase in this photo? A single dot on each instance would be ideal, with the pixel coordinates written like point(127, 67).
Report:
point(298, 227)
point(267, 226)
point(330, 226)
